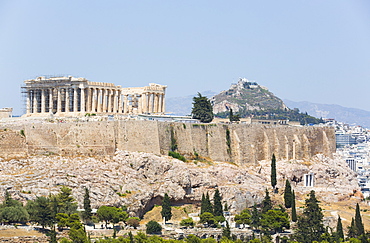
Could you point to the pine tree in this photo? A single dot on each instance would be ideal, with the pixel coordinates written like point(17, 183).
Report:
point(86, 215)
point(359, 226)
point(288, 197)
point(255, 217)
point(273, 171)
point(166, 208)
point(339, 232)
point(202, 109)
point(217, 205)
point(310, 226)
point(266, 203)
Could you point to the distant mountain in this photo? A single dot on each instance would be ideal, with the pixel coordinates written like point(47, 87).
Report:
point(246, 96)
point(182, 106)
point(339, 113)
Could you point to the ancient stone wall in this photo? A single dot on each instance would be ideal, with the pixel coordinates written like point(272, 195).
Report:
point(238, 143)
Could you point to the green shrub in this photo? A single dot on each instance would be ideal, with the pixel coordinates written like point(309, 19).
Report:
point(153, 227)
point(187, 222)
point(176, 156)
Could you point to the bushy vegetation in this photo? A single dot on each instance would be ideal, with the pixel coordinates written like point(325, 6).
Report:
point(279, 114)
point(202, 109)
point(176, 155)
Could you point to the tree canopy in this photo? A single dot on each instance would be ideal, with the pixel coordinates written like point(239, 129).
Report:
point(166, 208)
point(202, 109)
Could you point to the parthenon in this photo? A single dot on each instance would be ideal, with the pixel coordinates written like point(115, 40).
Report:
point(70, 96)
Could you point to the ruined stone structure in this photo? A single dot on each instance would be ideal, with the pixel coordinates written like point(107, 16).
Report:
point(6, 112)
point(69, 96)
point(238, 143)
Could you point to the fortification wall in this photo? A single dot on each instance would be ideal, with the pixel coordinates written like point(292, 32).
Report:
point(238, 143)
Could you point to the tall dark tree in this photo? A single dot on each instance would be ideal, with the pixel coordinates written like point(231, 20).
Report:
point(294, 210)
point(352, 230)
point(310, 226)
point(255, 217)
point(226, 232)
point(288, 195)
point(273, 171)
point(40, 211)
point(339, 232)
point(203, 204)
point(208, 208)
point(86, 215)
point(166, 208)
point(233, 117)
point(202, 109)
point(217, 204)
point(359, 226)
point(226, 207)
point(266, 203)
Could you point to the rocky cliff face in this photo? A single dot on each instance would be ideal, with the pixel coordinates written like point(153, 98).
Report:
point(246, 95)
point(139, 180)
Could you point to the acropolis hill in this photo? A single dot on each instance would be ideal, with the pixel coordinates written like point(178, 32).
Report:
point(56, 144)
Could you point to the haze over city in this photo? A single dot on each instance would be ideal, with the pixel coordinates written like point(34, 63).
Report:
point(303, 51)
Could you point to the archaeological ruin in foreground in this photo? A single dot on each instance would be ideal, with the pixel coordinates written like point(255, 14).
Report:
point(69, 96)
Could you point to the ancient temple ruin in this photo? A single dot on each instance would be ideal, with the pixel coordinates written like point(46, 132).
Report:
point(70, 96)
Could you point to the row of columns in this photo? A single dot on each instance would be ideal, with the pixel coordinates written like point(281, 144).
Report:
point(94, 100)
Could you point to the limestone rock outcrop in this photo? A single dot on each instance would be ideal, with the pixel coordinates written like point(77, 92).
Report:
point(139, 180)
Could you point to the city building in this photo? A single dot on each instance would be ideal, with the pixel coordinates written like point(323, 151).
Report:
point(70, 96)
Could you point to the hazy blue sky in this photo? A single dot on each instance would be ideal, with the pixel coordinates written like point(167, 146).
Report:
point(315, 50)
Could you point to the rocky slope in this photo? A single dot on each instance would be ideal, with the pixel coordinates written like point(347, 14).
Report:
point(246, 95)
point(139, 180)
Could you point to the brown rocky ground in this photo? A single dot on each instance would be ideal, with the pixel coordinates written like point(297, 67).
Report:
point(139, 180)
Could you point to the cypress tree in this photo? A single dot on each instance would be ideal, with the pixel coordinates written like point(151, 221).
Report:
point(226, 232)
point(266, 203)
point(339, 231)
point(87, 206)
point(166, 208)
point(217, 205)
point(352, 230)
point(226, 207)
point(294, 212)
point(359, 226)
point(288, 197)
point(202, 204)
point(273, 171)
point(208, 205)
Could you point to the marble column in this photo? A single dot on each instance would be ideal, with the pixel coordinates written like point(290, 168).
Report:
point(105, 101)
point(28, 105)
point(67, 101)
point(139, 105)
point(93, 101)
point(155, 109)
point(100, 98)
point(42, 101)
point(83, 101)
point(75, 100)
point(51, 102)
point(143, 103)
point(151, 96)
point(115, 101)
point(125, 104)
point(109, 101)
point(120, 107)
point(34, 101)
point(163, 104)
point(59, 101)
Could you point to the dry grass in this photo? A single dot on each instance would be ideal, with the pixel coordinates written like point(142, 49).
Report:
point(178, 213)
point(19, 232)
